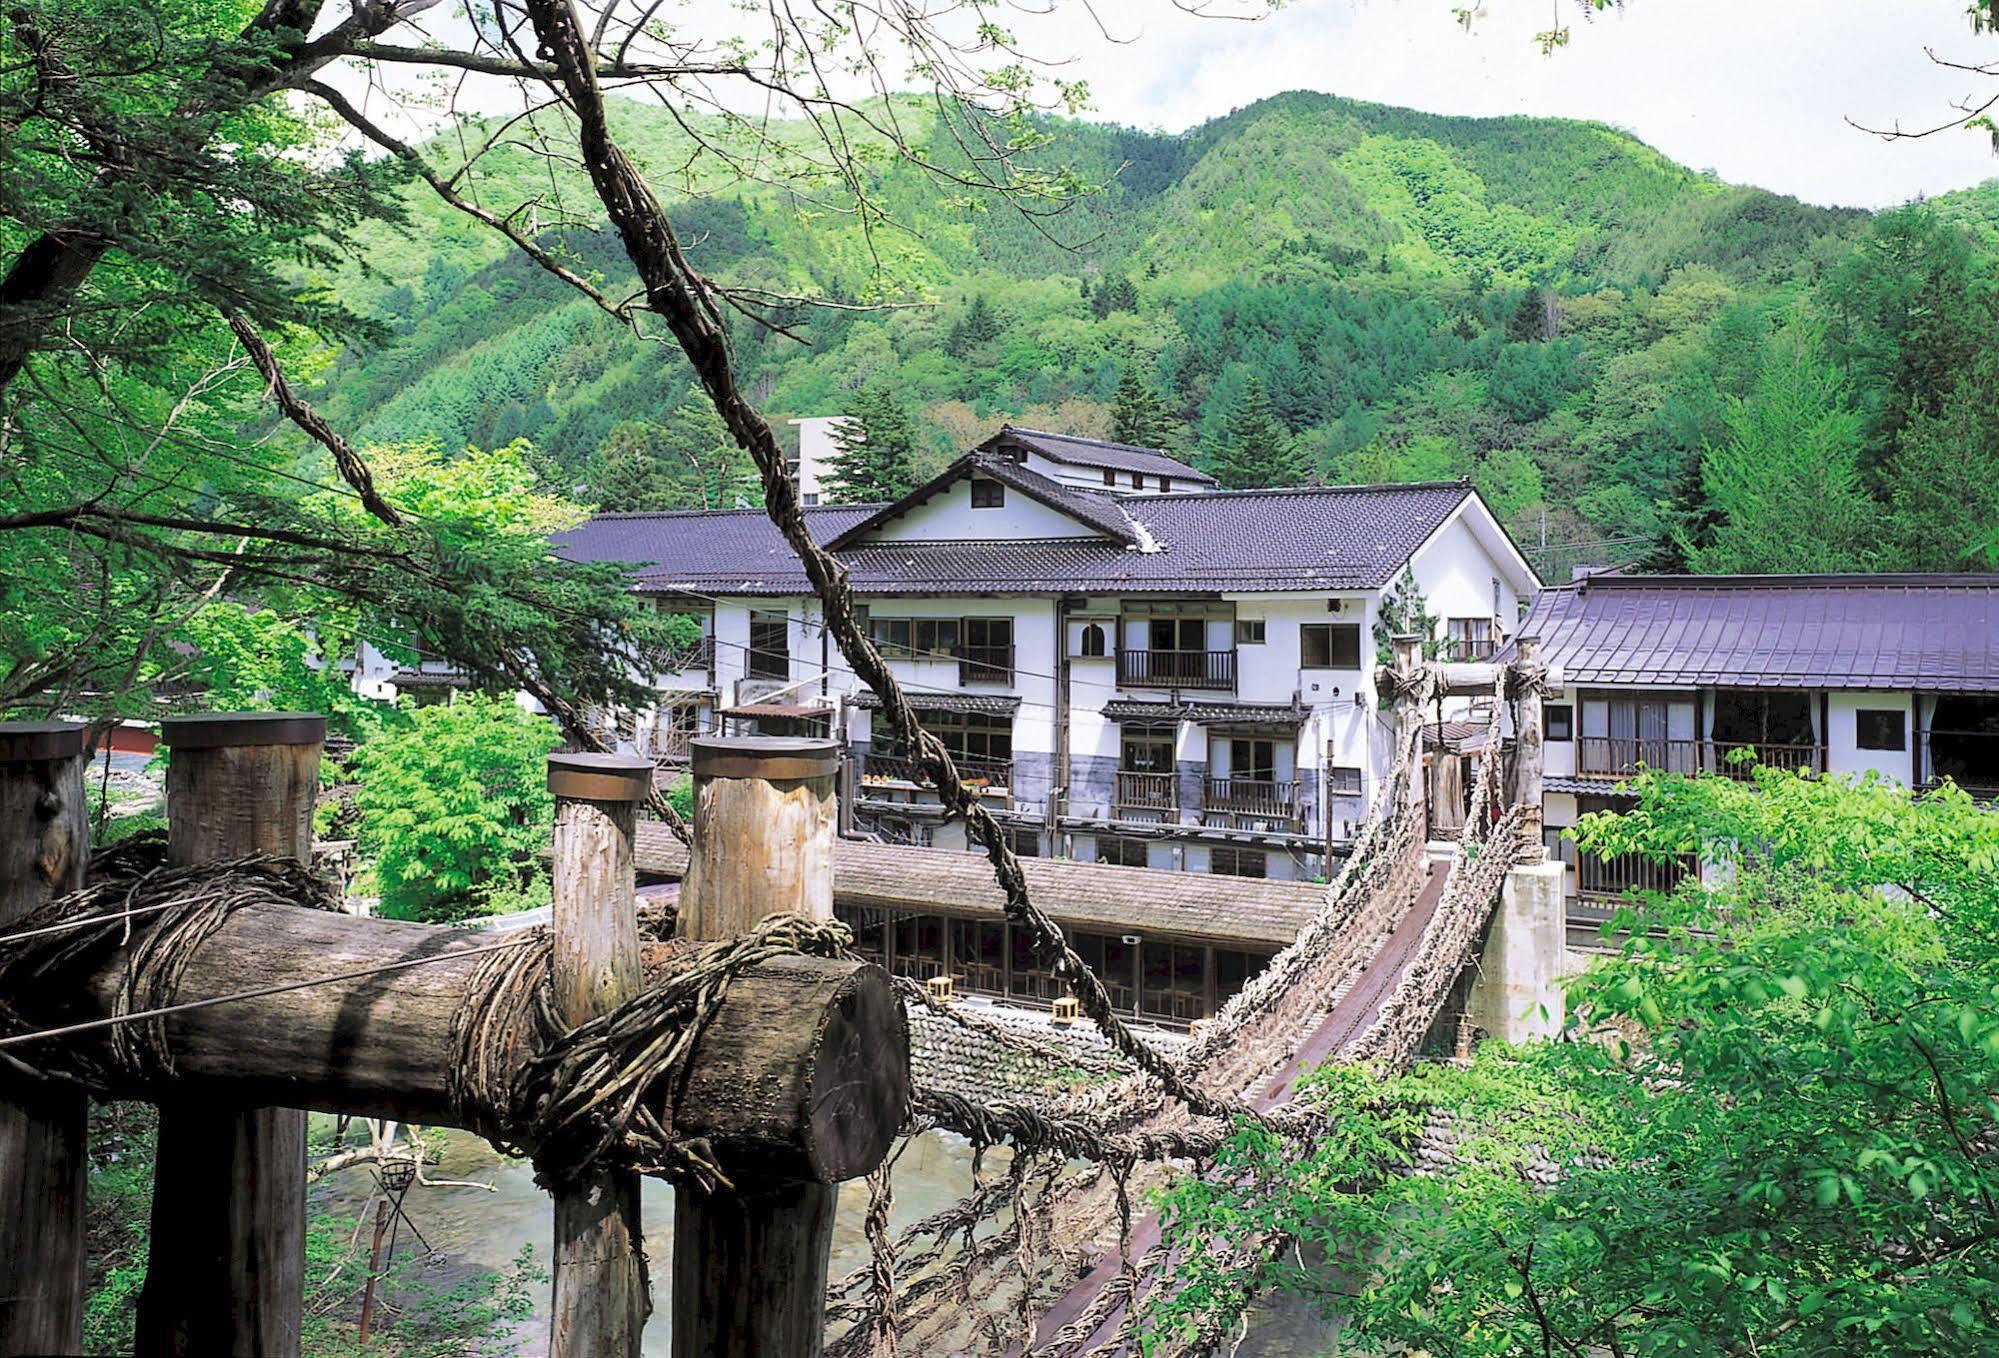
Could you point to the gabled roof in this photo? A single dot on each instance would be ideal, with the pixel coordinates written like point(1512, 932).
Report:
point(1316, 539)
point(1097, 513)
point(1082, 452)
point(1936, 633)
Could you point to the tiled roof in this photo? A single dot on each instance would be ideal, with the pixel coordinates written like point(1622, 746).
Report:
point(1203, 713)
point(1309, 540)
point(1089, 509)
point(1927, 632)
point(996, 704)
point(1081, 452)
point(1189, 905)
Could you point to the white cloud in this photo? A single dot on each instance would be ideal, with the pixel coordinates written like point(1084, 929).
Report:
point(1757, 90)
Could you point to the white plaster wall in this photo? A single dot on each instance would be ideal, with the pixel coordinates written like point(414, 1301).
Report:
point(948, 516)
point(1843, 752)
point(1092, 478)
point(1455, 572)
point(1034, 659)
point(816, 453)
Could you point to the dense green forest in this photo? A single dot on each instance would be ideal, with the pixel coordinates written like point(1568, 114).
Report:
point(1632, 359)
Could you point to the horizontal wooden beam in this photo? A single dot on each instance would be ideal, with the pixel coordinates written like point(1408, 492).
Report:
point(766, 1076)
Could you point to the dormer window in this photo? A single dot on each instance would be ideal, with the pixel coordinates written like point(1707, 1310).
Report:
point(987, 494)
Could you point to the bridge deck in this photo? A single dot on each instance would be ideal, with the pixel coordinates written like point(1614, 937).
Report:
point(1351, 1016)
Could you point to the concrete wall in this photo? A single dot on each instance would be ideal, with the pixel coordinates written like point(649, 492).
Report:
point(1843, 752)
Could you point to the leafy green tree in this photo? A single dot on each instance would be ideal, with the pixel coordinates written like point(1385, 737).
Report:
point(1403, 612)
point(1768, 1132)
point(1943, 486)
point(687, 462)
point(877, 442)
point(1785, 486)
point(1256, 449)
point(454, 805)
point(1138, 416)
point(980, 325)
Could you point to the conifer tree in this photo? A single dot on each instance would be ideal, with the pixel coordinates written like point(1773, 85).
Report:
point(1257, 450)
point(877, 442)
point(1529, 321)
point(1138, 416)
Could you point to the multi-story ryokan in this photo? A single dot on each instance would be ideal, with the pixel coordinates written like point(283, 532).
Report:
point(1845, 674)
point(1138, 667)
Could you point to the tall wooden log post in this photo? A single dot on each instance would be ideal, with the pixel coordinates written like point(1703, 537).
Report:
point(1527, 745)
point(600, 1298)
point(1407, 649)
point(749, 1265)
point(44, 844)
point(225, 1274)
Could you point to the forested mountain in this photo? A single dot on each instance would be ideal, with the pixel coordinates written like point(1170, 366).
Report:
point(1630, 358)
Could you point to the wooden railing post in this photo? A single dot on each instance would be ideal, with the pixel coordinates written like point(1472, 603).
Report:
point(44, 845)
point(749, 1266)
point(600, 1300)
point(225, 1274)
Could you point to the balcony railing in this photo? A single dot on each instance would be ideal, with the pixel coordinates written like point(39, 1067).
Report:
point(1610, 878)
point(1146, 792)
point(1622, 756)
point(979, 773)
point(1252, 797)
point(1176, 669)
point(985, 664)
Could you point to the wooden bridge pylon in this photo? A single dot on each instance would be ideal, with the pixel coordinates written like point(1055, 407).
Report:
point(797, 1078)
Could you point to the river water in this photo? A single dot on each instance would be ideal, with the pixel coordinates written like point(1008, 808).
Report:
point(471, 1229)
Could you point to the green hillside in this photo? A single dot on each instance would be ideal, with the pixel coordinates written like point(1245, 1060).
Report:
point(1552, 308)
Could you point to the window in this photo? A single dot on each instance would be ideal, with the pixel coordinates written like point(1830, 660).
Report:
point(986, 657)
point(1330, 645)
point(1185, 635)
point(1026, 843)
point(1343, 780)
point(811, 498)
point(1123, 853)
point(1469, 639)
point(770, 645)
point(1558, 721)
point(1880, 729)
point(1250, 631)
point(1226, 860)
point(1255, 760)
point(1137, 481)
point(1495, 596)
point(912, 638)
point(981, 740)
point(987, 494)
point(1110, 478)
point(1165, 483)
point(1093, 642)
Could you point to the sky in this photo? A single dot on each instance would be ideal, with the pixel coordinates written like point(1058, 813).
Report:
point(1756, 90)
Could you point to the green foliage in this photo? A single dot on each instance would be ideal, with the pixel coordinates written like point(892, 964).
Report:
point(877, 442)
point(455, 809)
point(687, 462)
point(1785, 485)
point(1256, 449)
point(1138, 416)
point(1403, 612)
point(1766, 1133)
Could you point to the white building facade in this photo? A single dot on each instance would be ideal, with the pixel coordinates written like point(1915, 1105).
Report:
point(1132, 665)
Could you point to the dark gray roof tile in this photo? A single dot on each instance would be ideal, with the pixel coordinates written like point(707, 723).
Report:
point(1082, 452)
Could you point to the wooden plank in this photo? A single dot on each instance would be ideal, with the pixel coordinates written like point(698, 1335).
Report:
point(600, 1302)
point(225, 1273)
point(44, 845)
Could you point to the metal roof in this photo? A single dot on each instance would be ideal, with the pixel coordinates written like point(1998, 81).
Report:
point(1082, 452)
point(1094, 896)
point(1936, 633)
point(1318, 539)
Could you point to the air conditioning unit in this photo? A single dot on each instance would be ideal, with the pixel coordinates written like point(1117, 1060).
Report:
point(942, 989)
point(1065, 1010)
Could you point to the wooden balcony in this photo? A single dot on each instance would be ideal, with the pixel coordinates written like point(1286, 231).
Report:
point(1252, 797)
point(1177, 669)
point(1150, 792)
point(897, 770)
point(1623, 756)
point(985, 664)
point(1608, 879)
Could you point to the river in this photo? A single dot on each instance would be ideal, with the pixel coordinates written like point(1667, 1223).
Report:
point(472, 1229)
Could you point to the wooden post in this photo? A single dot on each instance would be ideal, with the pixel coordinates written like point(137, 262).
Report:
point(44, 845)
point(1407, 648)
point(600, 1293)
point(1527, 748)
point(749, 1266)
point(225, 1274)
